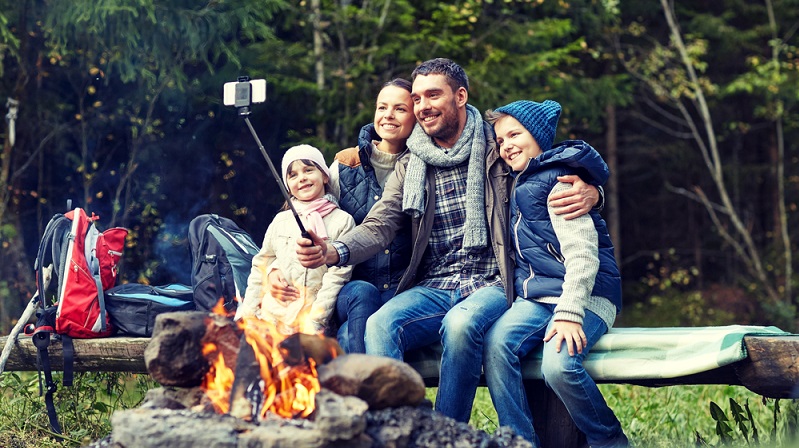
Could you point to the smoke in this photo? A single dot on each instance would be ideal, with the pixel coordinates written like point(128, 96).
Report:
point(171, 250)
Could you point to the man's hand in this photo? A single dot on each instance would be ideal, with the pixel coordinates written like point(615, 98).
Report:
point(280, 289)
point(315, 252)
point(571, 332)
point(577, 200)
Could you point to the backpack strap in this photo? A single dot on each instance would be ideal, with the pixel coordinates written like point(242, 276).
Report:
point(212, 259)
point(95, 269)
point(69, 359)
point(47, 247)
point(41, 339)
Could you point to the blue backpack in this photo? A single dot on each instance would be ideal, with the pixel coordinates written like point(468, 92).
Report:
point(221, 254)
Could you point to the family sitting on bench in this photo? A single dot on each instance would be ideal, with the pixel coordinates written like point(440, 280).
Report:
point(439, 196)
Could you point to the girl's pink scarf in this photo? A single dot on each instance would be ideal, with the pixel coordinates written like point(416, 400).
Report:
point(313, 212)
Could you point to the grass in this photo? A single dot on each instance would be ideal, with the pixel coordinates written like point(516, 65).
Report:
point(84, 410)
point(671, 417)
point(651, 417)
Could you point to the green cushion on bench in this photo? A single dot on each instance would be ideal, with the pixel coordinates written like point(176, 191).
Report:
point(637, 353)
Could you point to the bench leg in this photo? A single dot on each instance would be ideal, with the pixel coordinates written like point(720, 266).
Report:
point(551, 421)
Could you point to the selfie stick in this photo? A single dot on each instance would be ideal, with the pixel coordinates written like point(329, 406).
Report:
point(278, 178)
point(242, 98)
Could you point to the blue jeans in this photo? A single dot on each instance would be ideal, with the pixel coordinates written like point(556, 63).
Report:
point(356, 301)
point(514, 335)
point(422, 316)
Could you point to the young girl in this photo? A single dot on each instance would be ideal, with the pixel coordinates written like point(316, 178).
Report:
point(567, 284)
point(307, 178)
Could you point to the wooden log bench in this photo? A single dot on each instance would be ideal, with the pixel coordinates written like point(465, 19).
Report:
point(770, 368)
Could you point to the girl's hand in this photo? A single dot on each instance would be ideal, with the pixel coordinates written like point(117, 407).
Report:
point(280, 289)
point(571, 332)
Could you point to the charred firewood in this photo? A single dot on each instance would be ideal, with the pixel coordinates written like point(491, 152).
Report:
point(299, 347)
point(246, 396)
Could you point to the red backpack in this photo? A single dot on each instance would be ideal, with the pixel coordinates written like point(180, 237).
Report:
point(75, 264)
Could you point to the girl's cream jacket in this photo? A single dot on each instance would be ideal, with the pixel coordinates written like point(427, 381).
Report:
point(320, 285)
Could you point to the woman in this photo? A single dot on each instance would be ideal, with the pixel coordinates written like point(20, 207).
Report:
point(358, 176)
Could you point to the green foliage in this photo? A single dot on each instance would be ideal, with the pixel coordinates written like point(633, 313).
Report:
point(83, 410)
point(783, 428)
point(672, 297)
point(154, 39)
point(8, 42)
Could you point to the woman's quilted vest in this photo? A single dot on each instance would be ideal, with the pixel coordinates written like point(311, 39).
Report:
point(359, 192)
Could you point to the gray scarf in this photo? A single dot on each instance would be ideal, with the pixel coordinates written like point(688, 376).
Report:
point(471, 145)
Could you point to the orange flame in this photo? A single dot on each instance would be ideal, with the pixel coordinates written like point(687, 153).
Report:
point(288, 391)
point(218, 381)
point(219, 308)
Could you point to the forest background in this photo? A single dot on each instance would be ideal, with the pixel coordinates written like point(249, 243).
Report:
point(117, 105)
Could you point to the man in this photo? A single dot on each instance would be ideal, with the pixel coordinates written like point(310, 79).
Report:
point(459, 280)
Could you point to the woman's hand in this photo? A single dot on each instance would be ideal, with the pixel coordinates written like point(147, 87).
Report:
point(571, 332)
point(280, 289)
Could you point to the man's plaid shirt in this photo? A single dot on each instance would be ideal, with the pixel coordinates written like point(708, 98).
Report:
point(446, 264)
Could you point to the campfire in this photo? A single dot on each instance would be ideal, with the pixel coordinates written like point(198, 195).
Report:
point(234, 384)
point(272, 375)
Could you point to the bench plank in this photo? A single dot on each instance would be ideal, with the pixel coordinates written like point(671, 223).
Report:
point(117, 354)
point(771, 368)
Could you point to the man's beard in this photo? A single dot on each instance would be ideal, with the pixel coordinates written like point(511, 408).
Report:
point(448, 128)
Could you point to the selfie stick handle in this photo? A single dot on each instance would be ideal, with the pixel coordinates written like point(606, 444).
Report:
point(278, 178)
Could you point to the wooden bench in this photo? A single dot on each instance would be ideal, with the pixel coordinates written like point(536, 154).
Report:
point(771, 369)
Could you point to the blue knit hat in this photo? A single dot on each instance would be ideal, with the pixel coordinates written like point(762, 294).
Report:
point(540, 119)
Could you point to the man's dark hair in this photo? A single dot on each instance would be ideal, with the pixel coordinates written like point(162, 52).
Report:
point(456, 77)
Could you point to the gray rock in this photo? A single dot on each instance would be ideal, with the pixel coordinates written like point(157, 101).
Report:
point(380, 381)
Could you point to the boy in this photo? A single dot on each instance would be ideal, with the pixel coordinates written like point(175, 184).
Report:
point(567, 284)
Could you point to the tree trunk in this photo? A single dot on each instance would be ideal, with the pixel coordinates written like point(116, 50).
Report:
point(781, 221)
point(319, 67)
point(612, 205)
point(735, 233)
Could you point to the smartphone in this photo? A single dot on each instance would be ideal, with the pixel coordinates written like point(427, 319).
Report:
point(244, 92)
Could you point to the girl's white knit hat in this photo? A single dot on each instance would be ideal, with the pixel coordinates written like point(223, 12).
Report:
point(303, 152)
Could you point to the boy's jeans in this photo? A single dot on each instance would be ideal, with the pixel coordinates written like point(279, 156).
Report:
point(356, 301)
point(514, 335)
point(422, 316)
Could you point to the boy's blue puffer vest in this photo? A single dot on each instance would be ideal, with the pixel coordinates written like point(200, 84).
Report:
point(359, 192)
point(539, 263)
